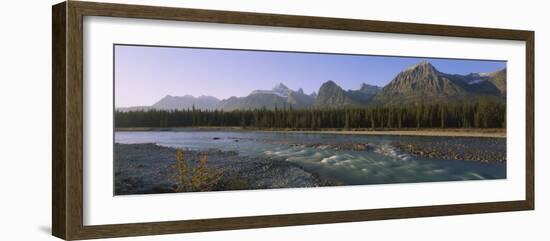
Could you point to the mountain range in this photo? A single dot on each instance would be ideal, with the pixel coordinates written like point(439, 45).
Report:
point(420, 83)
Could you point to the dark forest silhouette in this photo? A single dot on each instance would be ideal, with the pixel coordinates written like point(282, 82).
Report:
point(483, 113)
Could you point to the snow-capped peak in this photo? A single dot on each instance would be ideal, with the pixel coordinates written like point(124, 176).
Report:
point(280, 89)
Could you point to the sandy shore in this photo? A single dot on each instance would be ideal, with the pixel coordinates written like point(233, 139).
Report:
point(449, 133)
point(490, 133)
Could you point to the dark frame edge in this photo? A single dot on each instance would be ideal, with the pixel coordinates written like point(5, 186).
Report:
point(74, 123)
point(295, 21)
point(67, 121)
point(284, 220)
point(530, 119)
point(59, 177)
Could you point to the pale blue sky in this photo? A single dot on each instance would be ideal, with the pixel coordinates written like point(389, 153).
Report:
point(145, 74)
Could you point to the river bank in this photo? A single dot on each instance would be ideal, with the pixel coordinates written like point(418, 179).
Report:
point(489, 133)
point(149, 168)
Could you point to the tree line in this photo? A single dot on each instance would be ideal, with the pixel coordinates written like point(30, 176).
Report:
point(484, 113)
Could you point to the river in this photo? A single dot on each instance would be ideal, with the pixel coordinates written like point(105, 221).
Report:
point(350, 159)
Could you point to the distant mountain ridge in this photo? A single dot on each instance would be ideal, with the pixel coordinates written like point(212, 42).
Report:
point(187, 102)
point(280, 96)
point(420, 83)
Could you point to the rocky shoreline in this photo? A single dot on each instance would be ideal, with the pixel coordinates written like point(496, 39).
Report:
point(149, 168)
point(432, 150)
point(485, 153)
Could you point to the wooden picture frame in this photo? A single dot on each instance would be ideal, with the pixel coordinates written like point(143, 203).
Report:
point(67, 159)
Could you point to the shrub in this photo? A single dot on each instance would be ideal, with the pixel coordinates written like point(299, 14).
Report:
point(197, 179)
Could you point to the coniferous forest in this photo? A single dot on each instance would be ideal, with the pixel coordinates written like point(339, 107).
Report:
point(485, 113)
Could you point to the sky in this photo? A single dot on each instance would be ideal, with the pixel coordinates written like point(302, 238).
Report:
point(145, 74)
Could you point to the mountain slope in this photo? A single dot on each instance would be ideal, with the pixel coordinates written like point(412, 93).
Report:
point(369, 89)
point(279, 96)
point(253, 101)
point(498, 79)
point(332, 95)
point(300, 100)
point(279, 89)
point(365, 93)
point(487, 84)
point(424, 83)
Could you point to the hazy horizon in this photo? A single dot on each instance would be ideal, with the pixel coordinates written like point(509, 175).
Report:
point(145, 74)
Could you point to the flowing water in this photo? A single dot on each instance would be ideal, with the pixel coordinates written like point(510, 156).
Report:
point(330, 156)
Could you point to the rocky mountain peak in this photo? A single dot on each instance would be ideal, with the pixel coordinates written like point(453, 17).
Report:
point(331, 94)
point(280, 86)
point(423, 68)
point(329, 83)
point(281, 90)
point(418, 82)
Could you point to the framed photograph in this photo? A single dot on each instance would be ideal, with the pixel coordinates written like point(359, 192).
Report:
point(171, 120)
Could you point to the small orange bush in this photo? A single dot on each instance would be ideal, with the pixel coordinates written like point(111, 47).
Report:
point(200, 178)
